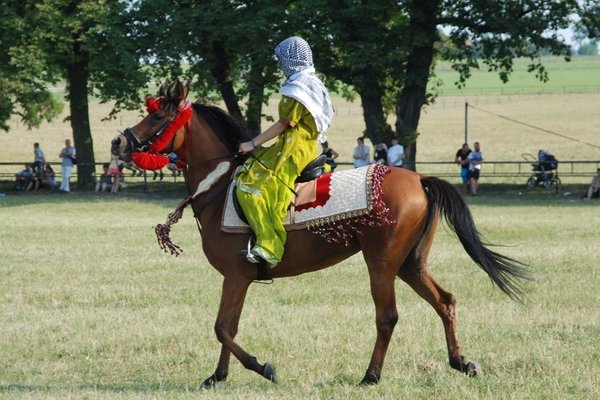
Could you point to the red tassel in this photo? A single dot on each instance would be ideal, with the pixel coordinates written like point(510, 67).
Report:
point(152, 105)
point(149, 161)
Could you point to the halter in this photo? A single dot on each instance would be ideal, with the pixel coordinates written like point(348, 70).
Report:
point(134, 144)
point(147, 153)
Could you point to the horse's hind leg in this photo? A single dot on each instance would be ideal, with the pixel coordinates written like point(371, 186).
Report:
point(414, 271)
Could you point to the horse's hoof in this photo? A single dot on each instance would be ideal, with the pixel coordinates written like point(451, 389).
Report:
point(269, 372)
point(211, 382)
point(472, 369)
point(370, 379)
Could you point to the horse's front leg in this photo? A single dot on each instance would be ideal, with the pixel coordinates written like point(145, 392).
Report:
point(233, 295)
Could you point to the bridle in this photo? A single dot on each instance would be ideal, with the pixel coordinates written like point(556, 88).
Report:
point(134, 144)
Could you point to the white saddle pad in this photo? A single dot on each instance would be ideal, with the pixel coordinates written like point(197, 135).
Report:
point(350, 195)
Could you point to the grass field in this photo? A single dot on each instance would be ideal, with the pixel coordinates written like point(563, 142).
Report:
point(90, 308)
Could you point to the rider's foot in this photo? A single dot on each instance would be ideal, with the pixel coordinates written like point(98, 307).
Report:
point(251, 256)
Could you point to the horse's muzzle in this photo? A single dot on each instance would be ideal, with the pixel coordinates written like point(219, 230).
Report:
point(119, 148)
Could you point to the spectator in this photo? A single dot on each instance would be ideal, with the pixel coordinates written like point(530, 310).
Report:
point(172, 165)
point(361, 153)
point(24, 178)
point(594, 189)
point(133, 168)
point(105, 182)
point(68, 160)
point(158, 173)
point(395, 154)
point(115, 169)
point(45, 179)
point(48, 179)
point(475, 161)
point(331, 155)
point(38, 158)
point(462, 159)
point(381, 152)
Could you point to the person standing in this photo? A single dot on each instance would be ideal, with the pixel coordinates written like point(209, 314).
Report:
point(265, 182)
point(475, 161)
point(68, 160)
point(38, 158)
point(461, 159)
point(395, 154)
point(361, 153)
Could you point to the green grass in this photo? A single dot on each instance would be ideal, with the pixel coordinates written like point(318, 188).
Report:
point(580, 75)
point(91, 308)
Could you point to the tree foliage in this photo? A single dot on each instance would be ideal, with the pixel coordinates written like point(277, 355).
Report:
point(385, 51)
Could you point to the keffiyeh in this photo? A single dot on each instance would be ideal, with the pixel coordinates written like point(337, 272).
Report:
point(295, 60)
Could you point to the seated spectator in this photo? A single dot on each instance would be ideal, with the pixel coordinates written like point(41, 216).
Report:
point(47, 179)
point(594, 189)
point(381, 153)
point(105, 182)
point(361, 153)
point(24, 179)
point(331, 155)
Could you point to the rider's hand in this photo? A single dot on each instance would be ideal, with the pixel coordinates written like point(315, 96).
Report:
point(246, 147)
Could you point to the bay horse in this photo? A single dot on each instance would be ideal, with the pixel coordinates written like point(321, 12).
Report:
point(400, 249)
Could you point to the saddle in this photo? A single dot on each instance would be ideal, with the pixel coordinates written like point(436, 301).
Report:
point(312, 171)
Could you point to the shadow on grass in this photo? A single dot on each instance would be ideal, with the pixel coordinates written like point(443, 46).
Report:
point(496, 194)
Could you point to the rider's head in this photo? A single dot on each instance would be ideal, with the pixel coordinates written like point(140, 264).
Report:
point(293, 55)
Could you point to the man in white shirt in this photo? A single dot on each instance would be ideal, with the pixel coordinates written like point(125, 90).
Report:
point(395, 154)
point(361, 153)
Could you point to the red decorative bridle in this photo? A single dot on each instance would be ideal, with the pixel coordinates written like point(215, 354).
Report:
point(149, 153)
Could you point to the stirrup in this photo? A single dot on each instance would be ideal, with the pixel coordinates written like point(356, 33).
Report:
point(251, 255)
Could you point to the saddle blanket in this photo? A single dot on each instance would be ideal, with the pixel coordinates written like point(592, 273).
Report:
point(332, 197)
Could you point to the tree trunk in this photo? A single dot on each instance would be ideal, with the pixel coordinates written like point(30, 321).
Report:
point(377, 128)
point(256, 98)
point(222, 73)
point(77, 75)
point(423, 35)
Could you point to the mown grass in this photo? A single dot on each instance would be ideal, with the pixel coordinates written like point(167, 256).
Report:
point(91, 308)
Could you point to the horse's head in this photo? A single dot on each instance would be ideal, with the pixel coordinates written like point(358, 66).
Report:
point(148, 133)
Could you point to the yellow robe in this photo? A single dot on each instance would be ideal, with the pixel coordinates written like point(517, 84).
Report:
point(260, 186)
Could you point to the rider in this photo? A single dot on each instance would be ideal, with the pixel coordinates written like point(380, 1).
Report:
point(264, 184)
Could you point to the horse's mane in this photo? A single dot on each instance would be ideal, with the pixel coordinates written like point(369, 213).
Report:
point(230, 131)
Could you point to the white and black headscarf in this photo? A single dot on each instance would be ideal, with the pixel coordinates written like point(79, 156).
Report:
point(295, 60)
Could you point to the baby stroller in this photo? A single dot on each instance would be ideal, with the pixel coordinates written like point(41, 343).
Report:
point(545, 172)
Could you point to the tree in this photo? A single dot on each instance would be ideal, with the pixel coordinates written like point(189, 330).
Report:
point(360, 44)
point(23, 72)
point(493, 32)
point(84, 43)
point(226, 47)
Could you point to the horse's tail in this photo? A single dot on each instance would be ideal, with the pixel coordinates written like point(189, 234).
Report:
point(504, 271)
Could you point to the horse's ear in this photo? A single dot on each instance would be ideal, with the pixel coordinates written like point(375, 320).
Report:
point(162, 91)
point(179, 92)
point(186, 91)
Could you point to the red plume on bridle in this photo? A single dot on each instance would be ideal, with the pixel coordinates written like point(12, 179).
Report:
point(153, 160)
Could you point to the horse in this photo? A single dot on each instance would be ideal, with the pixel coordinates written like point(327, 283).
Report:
point(416, 204)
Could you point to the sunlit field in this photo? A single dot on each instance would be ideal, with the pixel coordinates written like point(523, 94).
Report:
point(91, 308)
